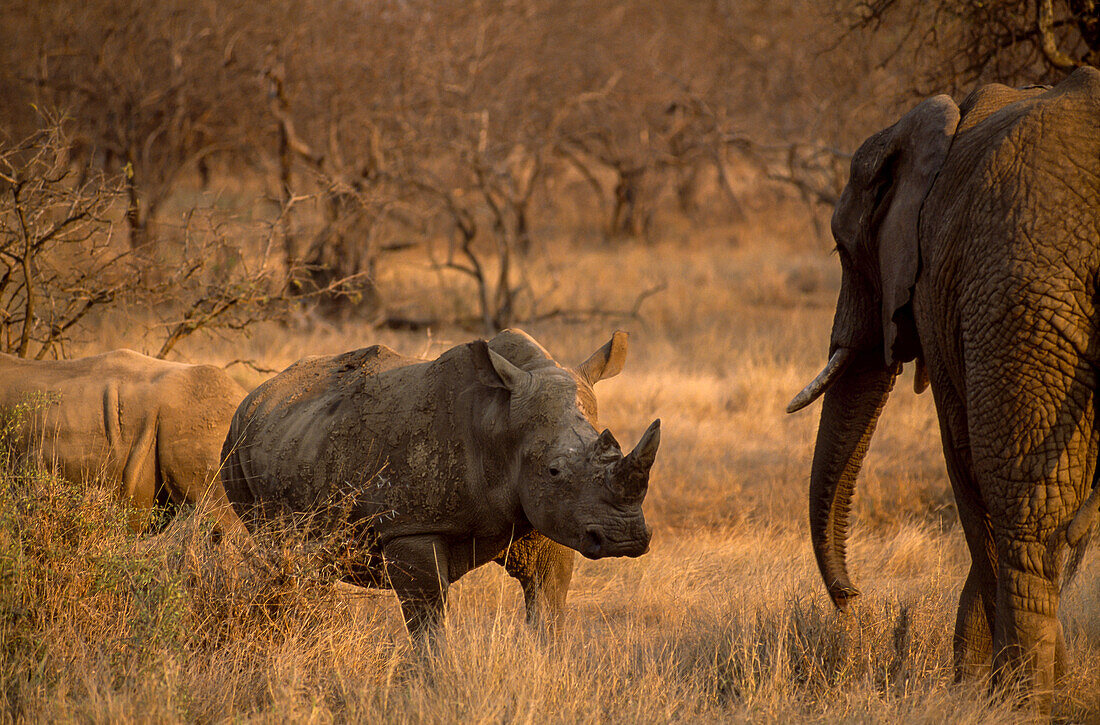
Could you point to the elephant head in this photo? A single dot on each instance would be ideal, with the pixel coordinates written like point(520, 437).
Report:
point(875, 227)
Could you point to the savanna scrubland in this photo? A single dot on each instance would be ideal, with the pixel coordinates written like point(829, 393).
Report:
point(208, 184)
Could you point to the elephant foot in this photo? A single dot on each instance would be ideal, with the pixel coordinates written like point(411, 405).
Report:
point(1061, 658)
point(1027, 669)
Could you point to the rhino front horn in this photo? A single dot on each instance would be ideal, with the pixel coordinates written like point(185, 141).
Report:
point(646, 451)
point(632, 472)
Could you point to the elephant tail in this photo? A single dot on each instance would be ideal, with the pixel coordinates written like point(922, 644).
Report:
point(1080, 529)
point(1075, 558)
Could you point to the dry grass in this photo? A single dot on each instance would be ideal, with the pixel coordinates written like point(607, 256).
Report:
point(724, 620)
point(715, 625)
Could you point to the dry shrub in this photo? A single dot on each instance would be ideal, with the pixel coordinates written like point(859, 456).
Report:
point(99, 624)
point(90, 613)
point(69, 587)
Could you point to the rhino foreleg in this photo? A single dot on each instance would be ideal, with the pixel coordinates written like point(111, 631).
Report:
point(544, 569)
point(139, 476)
point(416, 567)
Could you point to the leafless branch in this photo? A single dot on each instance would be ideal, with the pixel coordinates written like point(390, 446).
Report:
point(634, 313)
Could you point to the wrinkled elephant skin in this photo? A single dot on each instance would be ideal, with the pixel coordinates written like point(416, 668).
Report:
point(969, 239)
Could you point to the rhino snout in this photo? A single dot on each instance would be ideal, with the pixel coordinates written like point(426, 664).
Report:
point(594, 544)
point(597, 545)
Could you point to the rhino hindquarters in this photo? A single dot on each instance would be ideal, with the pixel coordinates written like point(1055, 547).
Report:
point(543, 569)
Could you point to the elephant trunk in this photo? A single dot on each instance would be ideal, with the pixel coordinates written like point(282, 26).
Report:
point(851, 409)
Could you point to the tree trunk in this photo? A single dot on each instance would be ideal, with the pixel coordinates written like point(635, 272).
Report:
point(136, 219)
point(625, 218)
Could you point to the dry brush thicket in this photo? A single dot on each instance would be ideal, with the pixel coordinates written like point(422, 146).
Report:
point(952, 44)
point(423, 172)
point(482, 135)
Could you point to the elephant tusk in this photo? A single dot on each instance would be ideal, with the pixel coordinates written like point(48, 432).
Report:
point(920, 377)
point(836, 365)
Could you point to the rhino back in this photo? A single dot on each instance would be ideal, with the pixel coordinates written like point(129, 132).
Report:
point(87, 415)
point(324, 424)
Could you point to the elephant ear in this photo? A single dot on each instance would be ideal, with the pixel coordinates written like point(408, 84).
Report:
point(900, 163)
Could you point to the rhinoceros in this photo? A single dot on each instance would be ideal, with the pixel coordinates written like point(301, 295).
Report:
point(488, 453)
point(151, 427)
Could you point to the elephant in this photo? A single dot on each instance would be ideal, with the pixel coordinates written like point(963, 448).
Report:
point(969, 243)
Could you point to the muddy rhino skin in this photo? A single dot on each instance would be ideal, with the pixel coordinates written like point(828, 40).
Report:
point(488, 453)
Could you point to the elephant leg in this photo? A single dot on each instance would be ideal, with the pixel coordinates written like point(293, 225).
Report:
point(544, 569)
point(973, 646)
point(1033, 461)
point(973, 643)
point(1026, 631)
point(1028, 640)
point(416, 567)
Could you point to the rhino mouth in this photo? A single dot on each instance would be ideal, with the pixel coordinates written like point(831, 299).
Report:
point(598, 545)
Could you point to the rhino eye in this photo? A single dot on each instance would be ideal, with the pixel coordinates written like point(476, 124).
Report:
point(554, 471)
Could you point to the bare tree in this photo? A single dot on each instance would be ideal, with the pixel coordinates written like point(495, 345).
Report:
point(153, 87)
point(56, 253)
point(470, 132)
point(816, 171)
point(955, 43)
point(483, 201)
point(226, 277)
point(346, 182)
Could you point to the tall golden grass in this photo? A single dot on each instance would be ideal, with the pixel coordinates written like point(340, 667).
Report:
point(724, 620)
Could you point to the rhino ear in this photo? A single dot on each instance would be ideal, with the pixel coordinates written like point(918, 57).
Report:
point(496, 372)
point(607, 362)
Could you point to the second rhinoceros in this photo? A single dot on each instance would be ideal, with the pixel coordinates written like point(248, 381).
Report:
point(152, 429)
point(449, 464)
